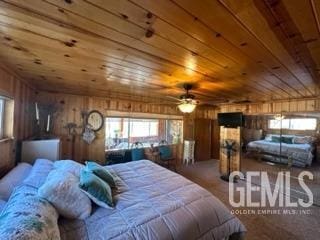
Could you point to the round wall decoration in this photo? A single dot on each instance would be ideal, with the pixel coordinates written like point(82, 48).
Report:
point(95, 120)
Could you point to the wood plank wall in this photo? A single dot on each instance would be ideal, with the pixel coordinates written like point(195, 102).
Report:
point(292, 106)
point(70, 108)
point(14, 87)
point(262, 121)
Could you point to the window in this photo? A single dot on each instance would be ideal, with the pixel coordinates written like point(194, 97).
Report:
point(6, 117)
point(294, 123)
point(121, 133)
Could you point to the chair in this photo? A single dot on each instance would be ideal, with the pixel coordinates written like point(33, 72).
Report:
point(137, 151)
point(115, 157)
point(166, 156)
point(136, 145)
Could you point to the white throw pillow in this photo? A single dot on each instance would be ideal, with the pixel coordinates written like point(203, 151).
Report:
point(69, 166)
point(303, 140)
point(62, 190)
point(13, 179)
point(268, 137)
point(39, 173)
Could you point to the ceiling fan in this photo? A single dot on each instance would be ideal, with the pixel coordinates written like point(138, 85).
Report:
point(187, 102)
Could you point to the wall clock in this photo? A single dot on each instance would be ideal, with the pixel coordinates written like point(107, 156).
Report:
point(95, 120)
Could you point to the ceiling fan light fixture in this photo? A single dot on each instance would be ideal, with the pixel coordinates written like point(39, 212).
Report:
point(187, 107)
point(279, 117)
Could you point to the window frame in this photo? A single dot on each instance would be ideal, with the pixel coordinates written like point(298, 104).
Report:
point(290, 124)
point(143, 118)
point(6, 118)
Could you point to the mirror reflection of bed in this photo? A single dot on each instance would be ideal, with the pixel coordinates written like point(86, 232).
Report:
point(283, 142)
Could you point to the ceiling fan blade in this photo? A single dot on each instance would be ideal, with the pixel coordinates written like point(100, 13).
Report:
point(214, 102)
point(196, 102)
point(175, 98)
point(163, 103)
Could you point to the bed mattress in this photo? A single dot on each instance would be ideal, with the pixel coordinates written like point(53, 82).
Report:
point(155, 203)
point(301, 154)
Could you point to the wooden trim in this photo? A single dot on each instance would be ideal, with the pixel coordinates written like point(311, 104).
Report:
point(270, 101)
point(142, 115)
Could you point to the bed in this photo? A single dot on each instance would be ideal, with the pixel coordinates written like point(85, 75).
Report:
point(151, 202)
point(155, 203)
point(300, 154)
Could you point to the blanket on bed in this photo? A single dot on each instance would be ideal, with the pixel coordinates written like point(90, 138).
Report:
point(301, 154)
point(155, 203)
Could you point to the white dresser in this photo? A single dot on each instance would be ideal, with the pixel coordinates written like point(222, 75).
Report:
point(188, 151)
point(47, 149)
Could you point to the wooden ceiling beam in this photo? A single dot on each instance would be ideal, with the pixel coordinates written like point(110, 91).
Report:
point(258, 90)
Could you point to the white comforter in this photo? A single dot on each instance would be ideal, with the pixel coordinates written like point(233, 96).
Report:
point(155, 203)
point(301, 154)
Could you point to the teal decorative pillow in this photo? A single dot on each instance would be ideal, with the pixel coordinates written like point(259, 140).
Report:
point(101, 172)
point(96, 189)
point(287, 140)
point(275, 139)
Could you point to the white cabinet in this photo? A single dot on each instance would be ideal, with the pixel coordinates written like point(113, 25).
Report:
point(47, 149)
point(188, 152)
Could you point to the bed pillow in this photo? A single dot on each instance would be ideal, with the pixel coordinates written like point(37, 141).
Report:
point(96, 189)
point(287, 140)
point(101, 172)
point(275, 139)
point(39, 173)
point(268, 137)
point(13, 179)
point(69, 166)
point(26, 216)
point(303, 140)
point(62, 190)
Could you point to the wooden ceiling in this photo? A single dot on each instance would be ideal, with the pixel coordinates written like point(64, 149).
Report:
point(234, 50)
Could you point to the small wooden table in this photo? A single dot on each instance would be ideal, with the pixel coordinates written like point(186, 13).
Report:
point(154, 156)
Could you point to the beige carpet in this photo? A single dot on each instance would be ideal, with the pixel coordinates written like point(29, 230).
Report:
point(250, 164)
point(259, 226)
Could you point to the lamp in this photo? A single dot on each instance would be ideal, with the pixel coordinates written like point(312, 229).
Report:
point(279, 117)
point(187, 106)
